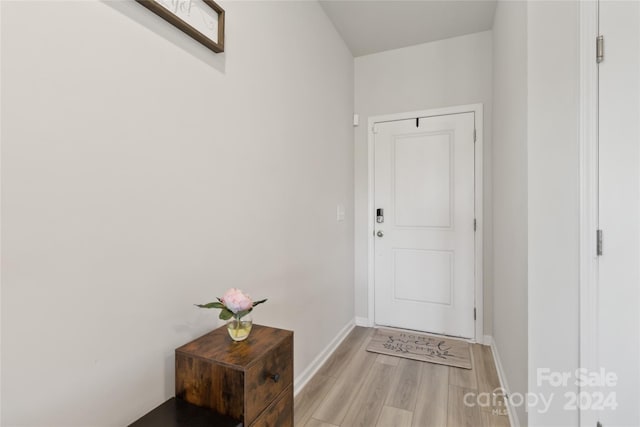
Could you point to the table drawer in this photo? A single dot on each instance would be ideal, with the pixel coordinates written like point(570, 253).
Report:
point(266, 379)
point(280, 413)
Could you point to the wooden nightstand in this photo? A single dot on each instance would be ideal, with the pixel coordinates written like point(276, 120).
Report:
point(251, 380)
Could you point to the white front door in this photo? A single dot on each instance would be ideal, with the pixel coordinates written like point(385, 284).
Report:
point(424, 251)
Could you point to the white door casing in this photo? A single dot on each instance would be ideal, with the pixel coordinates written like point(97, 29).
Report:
point(426, 269)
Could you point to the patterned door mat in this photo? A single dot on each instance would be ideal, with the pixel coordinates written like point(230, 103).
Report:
point(417, 346)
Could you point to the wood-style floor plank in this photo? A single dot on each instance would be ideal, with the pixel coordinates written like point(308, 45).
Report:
point(432, 397)
point(404, 385)
point(336, 403)
point(394, 417)
point(488, 381)
point(368, 404)
point(459, 414)
point(465, 378)
point(491, 420)
point(339, 359)
point(310, 397)
point(388, 360)
point(358, 388)
point(316, 423)
point(486, 372)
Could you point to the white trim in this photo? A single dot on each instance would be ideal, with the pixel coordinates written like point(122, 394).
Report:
point(479, 235)
point(370, 224)
point(513, 416)
point(479, 294)
point(487, 340)
point(362, 321)
point(588, 131)
point(301, 380)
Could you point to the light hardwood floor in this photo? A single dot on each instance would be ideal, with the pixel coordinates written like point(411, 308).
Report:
point(358, 388)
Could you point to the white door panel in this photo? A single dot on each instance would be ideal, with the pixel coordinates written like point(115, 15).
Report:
point(422, 187)
point(425, 255)
point(619, 212)
point(423, 276)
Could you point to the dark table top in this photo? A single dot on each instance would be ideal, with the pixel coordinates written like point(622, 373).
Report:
point(178, 413)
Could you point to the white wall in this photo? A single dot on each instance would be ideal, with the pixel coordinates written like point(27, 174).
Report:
point(449, 72)
point(510, 194)
point(141, 174)
point(553, 208)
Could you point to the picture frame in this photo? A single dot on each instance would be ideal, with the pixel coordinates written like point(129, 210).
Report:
point(203, 20)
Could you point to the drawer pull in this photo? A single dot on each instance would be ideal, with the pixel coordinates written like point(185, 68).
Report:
point(275, 377)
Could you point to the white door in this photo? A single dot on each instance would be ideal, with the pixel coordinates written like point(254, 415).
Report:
point(618, 297)
point(424, 248)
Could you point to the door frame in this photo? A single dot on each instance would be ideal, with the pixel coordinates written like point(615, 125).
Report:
point(588, 141)
point(478, 161)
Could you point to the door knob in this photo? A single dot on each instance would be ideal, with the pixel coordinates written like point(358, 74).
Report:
point(275, 377)
point(380, 233)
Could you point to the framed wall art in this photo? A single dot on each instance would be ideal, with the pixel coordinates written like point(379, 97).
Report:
point(203, 20)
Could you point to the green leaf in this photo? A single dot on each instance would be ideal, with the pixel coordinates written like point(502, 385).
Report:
point(242, 313)
point(211, 305)
point(259, 302)
point(225, 314)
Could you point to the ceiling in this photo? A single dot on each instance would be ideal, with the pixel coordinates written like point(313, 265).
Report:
point(374, 26)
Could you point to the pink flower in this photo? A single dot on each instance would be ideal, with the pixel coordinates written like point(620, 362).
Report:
point(236, 300)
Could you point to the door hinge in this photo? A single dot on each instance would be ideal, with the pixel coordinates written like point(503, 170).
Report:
point(598, 242)
point(475, 224)
point(599, 49)
point(475, 136)
point(474, 313)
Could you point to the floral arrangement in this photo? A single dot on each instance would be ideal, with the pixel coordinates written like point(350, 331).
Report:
point(234, 303)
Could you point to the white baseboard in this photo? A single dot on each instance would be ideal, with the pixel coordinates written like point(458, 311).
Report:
point(487, 340)
point(301, 380)
point(513, 417)
point(363, 321)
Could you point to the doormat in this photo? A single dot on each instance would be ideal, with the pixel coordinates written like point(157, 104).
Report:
point(423, 347)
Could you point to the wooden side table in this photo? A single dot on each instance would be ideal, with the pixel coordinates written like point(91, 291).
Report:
point(251, 380)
